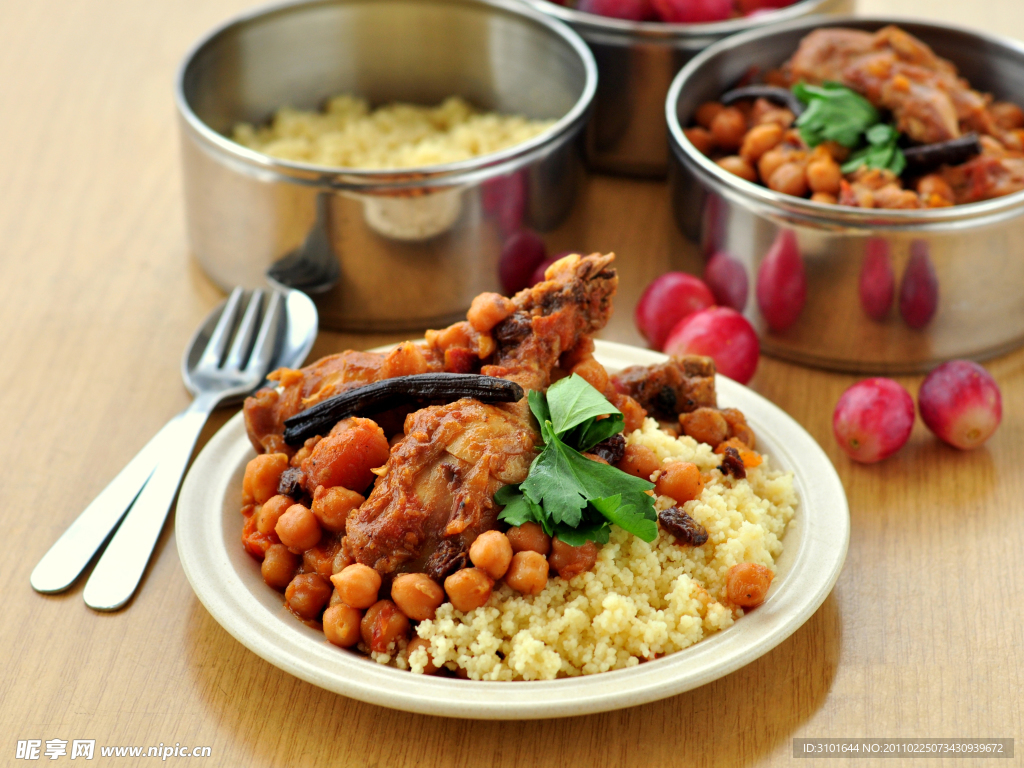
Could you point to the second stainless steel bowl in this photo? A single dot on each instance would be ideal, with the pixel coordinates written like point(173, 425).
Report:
point(636, 61)
point(378, 250)
point(953, 276)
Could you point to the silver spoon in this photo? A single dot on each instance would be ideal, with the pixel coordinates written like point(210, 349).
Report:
point(285, 337)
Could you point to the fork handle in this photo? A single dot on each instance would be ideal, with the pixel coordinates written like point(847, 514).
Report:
point(70, 554)
point(120, 568)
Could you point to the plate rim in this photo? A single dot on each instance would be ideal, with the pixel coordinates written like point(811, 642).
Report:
point(280, 639)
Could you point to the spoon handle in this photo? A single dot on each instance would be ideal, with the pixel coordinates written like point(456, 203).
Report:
point(70, 554)
point(120, 568)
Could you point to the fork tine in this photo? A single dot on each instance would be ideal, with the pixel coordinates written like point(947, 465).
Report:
point(266, 341)
point(243, 336)
point(214, 351)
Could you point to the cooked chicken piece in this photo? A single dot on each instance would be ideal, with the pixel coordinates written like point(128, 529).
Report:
point(985, 177)
point(898, 72)
point(665, 390)
point(435, 495)
point(267, 410)
point(438, 487)
point(552, 317)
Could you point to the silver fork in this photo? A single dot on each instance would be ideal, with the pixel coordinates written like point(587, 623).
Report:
point(214, 379)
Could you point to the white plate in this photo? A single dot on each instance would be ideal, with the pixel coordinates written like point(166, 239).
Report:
point(228, 583)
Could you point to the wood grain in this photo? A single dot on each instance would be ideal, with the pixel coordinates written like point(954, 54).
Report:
point(98, 295)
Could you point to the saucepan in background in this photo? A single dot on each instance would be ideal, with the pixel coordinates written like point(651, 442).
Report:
point(378, 250)
point(955, 273)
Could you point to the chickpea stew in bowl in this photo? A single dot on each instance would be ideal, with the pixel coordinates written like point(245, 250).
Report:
point(866, 119)
point(494, 504)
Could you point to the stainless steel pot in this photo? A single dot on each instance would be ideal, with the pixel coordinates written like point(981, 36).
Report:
point(378, 250)
point(955, 275)
point(636, 62)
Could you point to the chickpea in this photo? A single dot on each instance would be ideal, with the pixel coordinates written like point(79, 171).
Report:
point(747, 584)
point(759, 140)
point(835, 150)
point(571, 561)
point(705, 425)
point(750, 458)
point(738, 426)
point(348, 455)
point(528, 572)
point(824, 197)
point(357, 585)
point(332, 506)
point(417, 595)
point(633, 413)
point(737, 166)
point(468, 589)
point(279, 566)
point(298, 529)
point(707, 112)
point(404, 360)
point(414, 645)
point(341, 625)
point(593, 373)
point(307, 594)
point(770, 161)
point(271, 512)
point(933, 184)
point(320, 559)
point(303, 453)
point(789, 179)
point(824, 176)
point(489, 309)
point(701, 139)
point(728, 128)
point(262, 475)
point(491, 552)
point(528, 537)
point(680, 480)
point(1006, 115)
point(639, 461)
point(382, 625)
point(780, 117)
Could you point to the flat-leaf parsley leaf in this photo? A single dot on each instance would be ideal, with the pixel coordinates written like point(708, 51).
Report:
point(570, 496)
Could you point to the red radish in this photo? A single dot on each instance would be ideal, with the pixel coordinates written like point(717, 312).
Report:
point(747, 7)
point(633, 10)
point(722, 334)
point(782, 283)
point(877, 279)
point(727, 279)
point(520, 256)
point(960, 402)
point(693, 11)
point(873, 419)
point(538, 273)
point(667, 300)
point(919, 291)
point(505, 198)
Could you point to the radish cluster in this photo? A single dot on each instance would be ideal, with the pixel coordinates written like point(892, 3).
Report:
point(959, 401)
point(683, 315)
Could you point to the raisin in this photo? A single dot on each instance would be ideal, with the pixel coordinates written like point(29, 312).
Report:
point(291, 483)
point(449, 557)
point(683, 527)
point(611, 450)
point(732, 464)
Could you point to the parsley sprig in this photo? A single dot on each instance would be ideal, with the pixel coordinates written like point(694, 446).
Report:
point(837, 113)
point(570, 496)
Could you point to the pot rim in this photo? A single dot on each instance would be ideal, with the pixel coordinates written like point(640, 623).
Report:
point(660, 30)
point(419, 178)
point(823, 214)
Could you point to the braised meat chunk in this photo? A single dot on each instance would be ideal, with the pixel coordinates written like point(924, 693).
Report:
point(665, 390)
point(437, 487)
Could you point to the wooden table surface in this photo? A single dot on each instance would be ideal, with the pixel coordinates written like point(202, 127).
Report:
point(921, 637)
